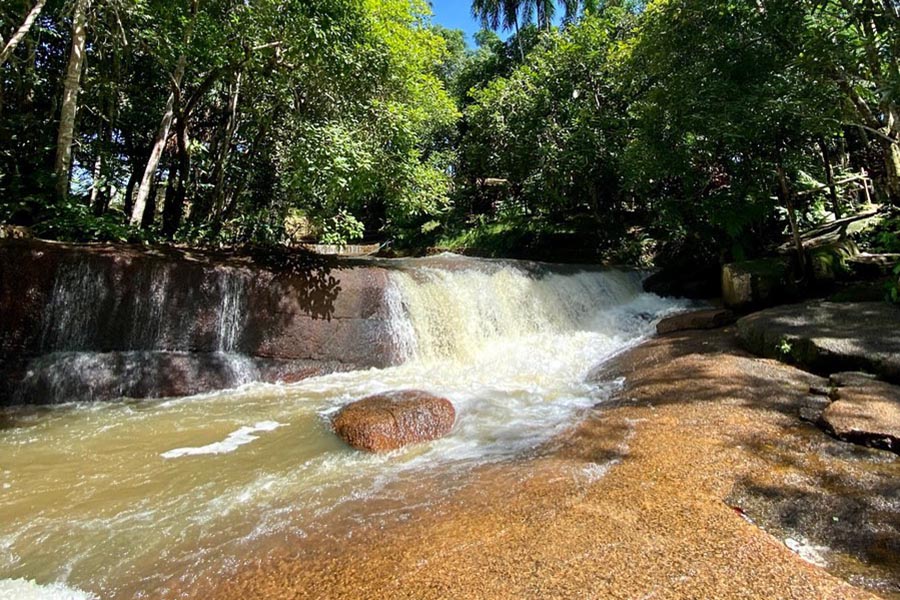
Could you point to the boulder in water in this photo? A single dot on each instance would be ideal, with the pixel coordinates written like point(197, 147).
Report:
point(393, 420)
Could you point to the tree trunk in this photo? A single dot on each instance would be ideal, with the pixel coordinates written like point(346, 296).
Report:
point(128, 200)
point(96, 176)
point(519, 39)
point(892, 173)
point(159, 146)
point(829, 176)
point(71, 87)
point(170, 222)
point(235, 195)
point(21, 32)
point(788, 199)
point(150, 207)
point(168, 115)
point(173, 211)
point(231, 122)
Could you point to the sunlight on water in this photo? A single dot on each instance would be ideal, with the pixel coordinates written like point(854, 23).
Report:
point(123, 499)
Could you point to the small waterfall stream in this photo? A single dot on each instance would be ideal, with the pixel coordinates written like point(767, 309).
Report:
point(138, 499)
point(97, 342)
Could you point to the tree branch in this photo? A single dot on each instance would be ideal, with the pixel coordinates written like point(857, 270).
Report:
point(21, 32)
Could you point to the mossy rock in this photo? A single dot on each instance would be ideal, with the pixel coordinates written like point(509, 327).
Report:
point(828, 264)
point(757, 283)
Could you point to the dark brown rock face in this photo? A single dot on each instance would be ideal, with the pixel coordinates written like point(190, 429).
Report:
point(114, 301)
point(393, 420)
point(700, 319)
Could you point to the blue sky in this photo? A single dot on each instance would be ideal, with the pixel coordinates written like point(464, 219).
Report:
point(456, 14)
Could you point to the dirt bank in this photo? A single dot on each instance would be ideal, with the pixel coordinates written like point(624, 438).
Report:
point(642, 500)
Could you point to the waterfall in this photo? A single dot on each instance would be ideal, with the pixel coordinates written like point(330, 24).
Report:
point(111, 330)
point(93, 307)
point(439, 313)
point(114, 328)
point(232, 301)
point(73, 315)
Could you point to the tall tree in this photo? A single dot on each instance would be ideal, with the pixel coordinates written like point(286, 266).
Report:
point(162, 136)
point(497, 14)
point(69, 105)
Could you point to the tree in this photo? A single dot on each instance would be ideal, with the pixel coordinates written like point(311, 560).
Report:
point(69, 104)
point(553, 130)
point(855, 44)
point(146, 184)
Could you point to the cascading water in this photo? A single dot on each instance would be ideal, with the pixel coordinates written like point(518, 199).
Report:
point(141, 499)
point(228, 326)
point(91, 336)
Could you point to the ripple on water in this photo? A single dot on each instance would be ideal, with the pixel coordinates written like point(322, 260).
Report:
point(134, 496)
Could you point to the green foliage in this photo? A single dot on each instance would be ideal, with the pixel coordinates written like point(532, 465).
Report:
point(71, 222)
point(784, 348)
point(341, 228)
point(554, 128)
point(631, 128)
point(336, 107)
point(884, 237)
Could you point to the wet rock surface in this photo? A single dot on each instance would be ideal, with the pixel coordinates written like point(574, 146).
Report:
point(118, 300)
point(828, 337)
point(393, 420)
point(645, 498)
point(100, 377)
point(701, 319)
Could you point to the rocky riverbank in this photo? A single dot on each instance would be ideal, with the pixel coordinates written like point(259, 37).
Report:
point(697, 480)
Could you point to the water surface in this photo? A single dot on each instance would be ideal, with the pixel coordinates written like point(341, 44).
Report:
point(145, 498)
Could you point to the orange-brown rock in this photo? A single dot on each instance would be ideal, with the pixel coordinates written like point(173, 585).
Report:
point(865, 411)
point(700, 319)
point(393, 420)
point(610, 511)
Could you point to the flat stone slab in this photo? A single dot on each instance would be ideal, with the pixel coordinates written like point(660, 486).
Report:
point(827, 337)
point(865, 411)
point(699, 319)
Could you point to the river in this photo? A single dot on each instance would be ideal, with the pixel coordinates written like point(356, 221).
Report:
point(148, 498)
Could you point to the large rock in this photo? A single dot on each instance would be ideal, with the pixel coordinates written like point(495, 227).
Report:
point(865, 411)
point(700, 319)
point(757, 283)
point(113, 301)
point(393, 420)
point(89, 376)
point(828, 337)
point(829, 262)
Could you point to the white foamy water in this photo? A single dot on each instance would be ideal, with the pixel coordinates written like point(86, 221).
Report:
point(142, 498)
point(235, 440)
point(23, 589)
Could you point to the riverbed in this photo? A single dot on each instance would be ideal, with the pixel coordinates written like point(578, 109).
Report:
point(161, 498)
